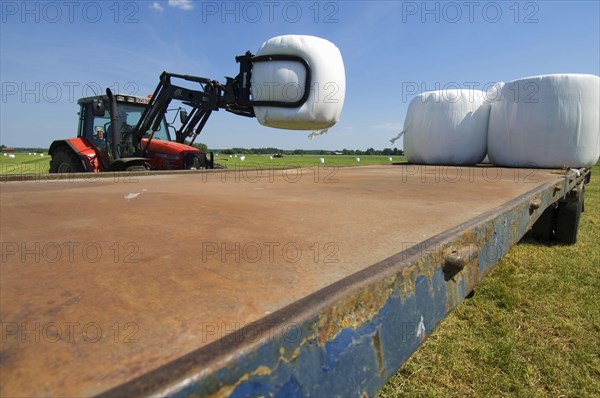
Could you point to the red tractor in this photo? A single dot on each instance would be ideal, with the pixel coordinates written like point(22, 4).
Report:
point(123, 133)
point(93, 149)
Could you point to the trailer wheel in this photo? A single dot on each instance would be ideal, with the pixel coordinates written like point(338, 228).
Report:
point(543, 229)
point(567, 219)
point(65, 161)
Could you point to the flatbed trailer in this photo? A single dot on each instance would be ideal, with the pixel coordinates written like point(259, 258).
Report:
point(316, 281)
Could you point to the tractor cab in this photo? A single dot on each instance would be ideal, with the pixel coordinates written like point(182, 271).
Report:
point(95, 125)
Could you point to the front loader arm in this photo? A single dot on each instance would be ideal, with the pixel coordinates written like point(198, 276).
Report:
point(234, 97)
point(210, 97)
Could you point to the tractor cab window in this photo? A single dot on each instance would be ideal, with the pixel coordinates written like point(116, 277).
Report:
point(130, 116)
point(94, 128)
point(98, 129)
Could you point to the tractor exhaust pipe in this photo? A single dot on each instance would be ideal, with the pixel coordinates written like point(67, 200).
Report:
point(115, 144)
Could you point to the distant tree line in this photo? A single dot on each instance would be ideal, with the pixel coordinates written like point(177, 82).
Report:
point(270, 151)
point(371, 151)
point(21, 149)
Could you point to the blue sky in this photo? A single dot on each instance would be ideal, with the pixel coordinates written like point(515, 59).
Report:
point(52, 53)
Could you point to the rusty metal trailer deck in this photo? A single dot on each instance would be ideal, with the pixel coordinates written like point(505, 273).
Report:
point(296, 282)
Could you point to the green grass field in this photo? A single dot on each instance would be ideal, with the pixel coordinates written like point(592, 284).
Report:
point(303, 160)
point(531, 330)
point(23, 163)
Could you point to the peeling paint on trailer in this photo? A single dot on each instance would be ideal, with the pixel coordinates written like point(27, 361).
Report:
point(353, 335)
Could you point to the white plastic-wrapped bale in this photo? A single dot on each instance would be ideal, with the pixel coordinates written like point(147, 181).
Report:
point(549, 121)
point(447, 127)
point(285, 81)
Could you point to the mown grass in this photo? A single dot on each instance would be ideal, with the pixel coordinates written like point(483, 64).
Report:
point(531, 330)
point(260, 161)
point(23, 163)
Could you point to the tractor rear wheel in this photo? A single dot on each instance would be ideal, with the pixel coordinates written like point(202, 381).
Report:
point(65, 161)
point(137, 168)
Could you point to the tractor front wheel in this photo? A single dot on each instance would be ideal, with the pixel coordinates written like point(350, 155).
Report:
point(65, 161)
